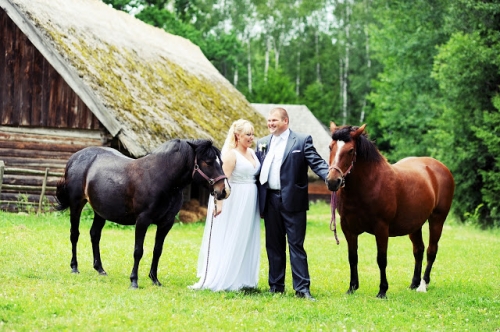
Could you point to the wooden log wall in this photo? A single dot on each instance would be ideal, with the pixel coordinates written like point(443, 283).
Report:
point(37, 149)
point(32, 93)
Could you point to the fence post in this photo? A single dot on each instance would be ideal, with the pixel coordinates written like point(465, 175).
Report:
point(2, 167)
point(43, 190)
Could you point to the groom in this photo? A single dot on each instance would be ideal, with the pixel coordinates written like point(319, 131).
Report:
point(283, 199)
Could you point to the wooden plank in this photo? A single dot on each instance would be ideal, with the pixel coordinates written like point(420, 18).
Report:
point(53, 97)
point(44, 112)
point(44, 185)
point(26, 90)
point(35, 163)
point(34, 154)
point(16, 78)
point(30, 145)
point(20, 188)
point(3, 41)
point(25, 171)
point(2, 169)
point(57, 140)
point(36, 82)
point(8, 74)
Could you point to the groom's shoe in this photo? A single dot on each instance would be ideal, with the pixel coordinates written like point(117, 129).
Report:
point(276, 290)
point(305, 295)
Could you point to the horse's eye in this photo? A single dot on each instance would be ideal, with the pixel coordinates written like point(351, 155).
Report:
point(351, 151)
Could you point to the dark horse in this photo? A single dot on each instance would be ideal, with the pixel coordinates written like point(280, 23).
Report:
point(136, 192)
point(387, 200)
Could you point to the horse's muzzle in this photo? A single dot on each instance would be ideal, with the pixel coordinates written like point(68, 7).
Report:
point(334, 184)
point(221, 189)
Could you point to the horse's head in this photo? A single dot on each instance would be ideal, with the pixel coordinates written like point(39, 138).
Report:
point(342, 154)
point(207, 169)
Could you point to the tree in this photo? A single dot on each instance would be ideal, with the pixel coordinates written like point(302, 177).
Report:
point(404, 41)
point(468, 71)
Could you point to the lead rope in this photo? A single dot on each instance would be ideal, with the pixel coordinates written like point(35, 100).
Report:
point(333, 223)
point(209, 241)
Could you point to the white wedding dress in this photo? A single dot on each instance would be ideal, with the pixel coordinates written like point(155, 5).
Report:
point(233, 247)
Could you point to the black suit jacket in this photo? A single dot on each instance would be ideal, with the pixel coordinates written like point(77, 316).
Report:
point(299, 154)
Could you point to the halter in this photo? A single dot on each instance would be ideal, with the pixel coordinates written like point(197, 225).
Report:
point(342, 174)
point(197, 168)
point(333, 200)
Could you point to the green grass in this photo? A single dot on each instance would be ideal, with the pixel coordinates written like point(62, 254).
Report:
point(38, 292)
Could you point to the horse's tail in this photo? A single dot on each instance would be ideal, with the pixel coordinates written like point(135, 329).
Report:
point(62, 195)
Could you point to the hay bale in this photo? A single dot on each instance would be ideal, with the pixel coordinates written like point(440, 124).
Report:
point(188, 216)
point(191, 211)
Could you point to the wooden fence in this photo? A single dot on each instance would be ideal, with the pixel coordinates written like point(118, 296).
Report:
point(24, 189)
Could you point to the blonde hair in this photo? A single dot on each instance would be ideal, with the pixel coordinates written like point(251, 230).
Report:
point(238, 127)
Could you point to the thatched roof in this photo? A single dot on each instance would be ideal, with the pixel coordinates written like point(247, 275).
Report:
point(303, 121)
point(145, 85)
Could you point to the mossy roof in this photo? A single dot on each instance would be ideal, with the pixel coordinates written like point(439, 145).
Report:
point(145, 85)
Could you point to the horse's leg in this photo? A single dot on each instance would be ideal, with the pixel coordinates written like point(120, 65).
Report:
point(418, 253)
point(141, 228)
point(75, 213)
point(95, 238)
point(382, 238)
point(161, 234)
point(435, 230)
point(352, 244)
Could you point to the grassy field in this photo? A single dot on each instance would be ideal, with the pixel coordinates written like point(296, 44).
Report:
point(38, 292)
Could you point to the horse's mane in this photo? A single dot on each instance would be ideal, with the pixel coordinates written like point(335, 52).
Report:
point(205, 149)
point(365, 148)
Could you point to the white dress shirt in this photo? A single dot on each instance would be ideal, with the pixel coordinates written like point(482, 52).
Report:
point(278, 144)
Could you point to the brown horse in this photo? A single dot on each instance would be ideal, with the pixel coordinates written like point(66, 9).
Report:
point(136, 192)
point(387, 200)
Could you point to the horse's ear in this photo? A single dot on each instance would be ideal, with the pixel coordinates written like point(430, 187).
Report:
point(358, 131)
point(192, 144)
point(333, 126)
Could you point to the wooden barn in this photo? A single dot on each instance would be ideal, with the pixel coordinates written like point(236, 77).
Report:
point(302, 120)
point(77, 73)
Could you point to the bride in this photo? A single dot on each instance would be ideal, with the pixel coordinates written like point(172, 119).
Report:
point(230, 250)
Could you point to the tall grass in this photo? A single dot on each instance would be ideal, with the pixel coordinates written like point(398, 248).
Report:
point(38, 292)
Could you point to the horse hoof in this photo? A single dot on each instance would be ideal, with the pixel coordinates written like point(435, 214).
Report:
point(157, 283)
point(134, 286)
point(381, 296)
point(75, 271)
point(103, 273)
point(423, 287)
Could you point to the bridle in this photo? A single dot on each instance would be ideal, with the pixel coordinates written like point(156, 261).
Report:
point(333, 200)
point(210, 181)
point(342, 174)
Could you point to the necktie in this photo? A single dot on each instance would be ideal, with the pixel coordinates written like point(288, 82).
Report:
point(266, 165)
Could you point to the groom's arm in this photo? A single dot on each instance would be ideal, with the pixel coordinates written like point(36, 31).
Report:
point(318, 165)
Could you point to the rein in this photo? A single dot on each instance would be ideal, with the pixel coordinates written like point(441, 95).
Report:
point(209, 242)
point(198, 169)
point(333, 200)
point(333, 223)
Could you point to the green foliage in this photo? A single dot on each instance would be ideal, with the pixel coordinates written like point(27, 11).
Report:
point(467, 69)
point(404, 42)
point(277, 90)
point(318, 100)
point(40, 293)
